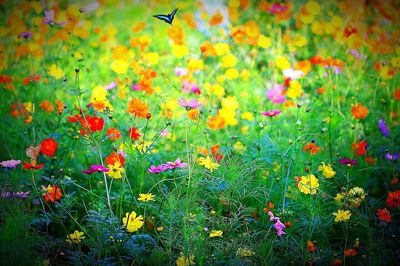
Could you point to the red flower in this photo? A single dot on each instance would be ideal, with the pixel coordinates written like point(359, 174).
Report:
point(215, 151)
point(393, 199)
point(95, 123)
point(384, 215)
point(360, 148)
point(312, 148)
point(29, 166)
point(48, 147)
point(351, 252)
point(27, 80)
point(113, 133)
point(370, 160)
point(134, 133)
point(113, 158)
point(53, 193)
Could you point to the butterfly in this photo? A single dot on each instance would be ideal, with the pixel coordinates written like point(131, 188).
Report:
point(167, 18)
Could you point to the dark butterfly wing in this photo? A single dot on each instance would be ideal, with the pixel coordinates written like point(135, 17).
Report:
point(172, 15)
point(164, 18)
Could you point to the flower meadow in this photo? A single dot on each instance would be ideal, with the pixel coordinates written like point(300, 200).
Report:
point(241, 133)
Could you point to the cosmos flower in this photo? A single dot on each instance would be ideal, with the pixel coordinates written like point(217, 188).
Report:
point(138, 108)
point(384, 215)
point(49, 18)
point(94, 169)
point(110, 86)
point(14, 195)
point(271, 113)
point(383, 127)
point(342, 216)
point(10, 163)
point(48, 147)
point(191, 104)
point(75, 237)
point(276, 94)
point(215, 233)
point(176, 164)
point(26, 35)
point(156, 169)
point(292, 74)
point(346, 161)
point(132, 222)
point(279, 226)
point(392, 156)
point(277, 8)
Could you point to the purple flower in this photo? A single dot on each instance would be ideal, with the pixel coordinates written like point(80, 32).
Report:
point(164, 133)
point(156, 169)
point(191, 104)
point(279, 226)
point(276, 94)
point(176, 164)
point(135, 87)
point(392, 156)
point(94, 169)
point(10, 163)
point(26, 35)
point(49, 18)
point(383, 128)
point(346, 161)
point(271, 113)
point(110, 86)
point(14, 195)
point(355, 53)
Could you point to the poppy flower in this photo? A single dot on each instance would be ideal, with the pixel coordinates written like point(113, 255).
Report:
point(48, 147)
point(384, 215)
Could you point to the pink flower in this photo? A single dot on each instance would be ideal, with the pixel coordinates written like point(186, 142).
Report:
point(276, 94)
point(271, 113)
point(110, 86)
point(176, 164)
point(277, 8)
point(279, 226)
point(191, 104)
point(156, 169)
point(95, 168)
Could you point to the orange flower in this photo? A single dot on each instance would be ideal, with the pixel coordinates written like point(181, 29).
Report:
point(312, 148)
point(47, 106)
point(138, 108)
point(396, 94)
point(216, 122)
point(310, 246)
point(359, 111)
point(113, 133)
point(359, 148)
point(53, 193)
point(60, 106)
point(216, 19)
point(194, 114)
point(113, 158)
point(370, 160)
point(351, 252)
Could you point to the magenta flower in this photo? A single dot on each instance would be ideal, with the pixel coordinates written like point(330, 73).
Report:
point(271, 113)
point(156, 169)
point(191, 104)
point(392, 156)
point(49, 18)
point(135, 87)
point(346, 160)
point(279, 226)
point(10, 163)
point(277, 8)
point(188, 86)
point(276, 94)
point(176, 164)
point(94, 169)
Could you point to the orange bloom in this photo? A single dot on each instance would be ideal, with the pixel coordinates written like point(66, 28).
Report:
point(53, 193)
point(48, 147)
point(370, 160)
point(216, 19)
point(113, 133)
point(359, 111)
point(359, 148)
point(351, 252)
point(138, 108)
point(60, 106)
point(310, 246)
point(216, 122)
point(396, 94)
point(113, 158)
point(312, 148)
point(47, 106)
point(194, 114)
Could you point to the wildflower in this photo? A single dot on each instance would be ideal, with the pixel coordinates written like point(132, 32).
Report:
point(279, 226)
point(14, 195)
point(75, 237)
point(134, 133)
point(392, 156)
point(215, 233)
point(132, 222)
point(55, 71)
point(49, 18)
point(308, 184)
point(29, 166)
point(146, 197)
point(359, 148)
point(48, 147)
point(342, 216)
point(350, 252)
point(326, 170)
point(26, 35)
point(30, 79)
point(358, 111)
point(183, 260)
point(393, 199)
point(10, 163)
point(138, 108)
point(115, 170)
point(46, 106)
point(208, 163)
point(312, 148)
point(176, 164)
point(156, 169)
point(384, 215)
point(347, 161)
point(113, 133)
point(370, 160)
point(292, 74)
point(113, 158)
point(94, 169)
point(311, 247)
point(383, 128)
point(271, 113)
point(192, 104)
point(52, 193)
point(277, 94)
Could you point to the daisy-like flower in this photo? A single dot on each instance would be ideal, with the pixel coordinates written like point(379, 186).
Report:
point(26, 35)
point(156, 169)
point(342, 216)
point(176, 164)
point(146, 197)
point(138, 108)
point(96, 168)
point(277, 94)
point(292, 74)
point(208, 163)
point(347, 161)
point(271, 113)
point(189, 105)
point(132, 222)
point(116, 170)
point(75, 237)
point(10, 163)
point(49, 18)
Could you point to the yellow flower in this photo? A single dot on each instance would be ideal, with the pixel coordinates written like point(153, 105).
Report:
point(245, 74)
point(282, 63)
point(232, 73)
point(185, 261)
point(146, 197)
point(308, 184)
point(160, 228)
point(247, 116)
point(342, 216)
point(239, 147)
point(208, 163)
point(179, 50)
point(55, 71)
point(294, 90)
point(75, 237)
point(119, 66)
point(132, 222)
point(229, 60)
point(326, 170)
point(339, 197)
point(264, 42)
point(216, 233)
point(195, 64)
point(98, 94)
point(115, 171)
point(218, 90)
point(151, 58)
point(222, 48)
